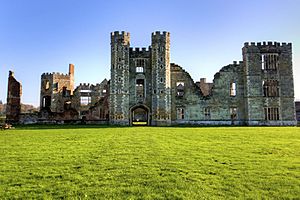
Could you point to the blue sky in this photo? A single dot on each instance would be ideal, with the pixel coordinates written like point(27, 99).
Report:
point(39, 36)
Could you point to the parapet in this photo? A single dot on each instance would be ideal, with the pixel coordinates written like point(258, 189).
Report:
point(158, 33)
point(160, 36)
point(84, 85)
point(46, 74)
point(56, 74)
point(118, 33)
point(267, 44)
point(120, 37)
point(137, 52)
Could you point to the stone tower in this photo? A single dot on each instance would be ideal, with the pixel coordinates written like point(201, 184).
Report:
point(161, 78)
point(268, 79)
point(14, 93)
point(56, 89)
point(119, 84)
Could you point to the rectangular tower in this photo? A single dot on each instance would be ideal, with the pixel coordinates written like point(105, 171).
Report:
point(119, 84)
point(161, 79)
point(269, 85)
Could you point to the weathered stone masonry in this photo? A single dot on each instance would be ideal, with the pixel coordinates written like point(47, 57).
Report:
point(14, 93)
point(146, 89)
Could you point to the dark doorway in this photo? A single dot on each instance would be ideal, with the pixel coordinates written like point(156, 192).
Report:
point(139, 116)
point(46, 102)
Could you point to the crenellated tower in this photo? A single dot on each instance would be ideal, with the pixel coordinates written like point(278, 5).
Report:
point(161, 78)
point(269, 89)
point(119, 85)
point(56, 90)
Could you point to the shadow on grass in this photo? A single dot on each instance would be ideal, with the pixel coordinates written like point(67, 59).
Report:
point(65, 126)
point(83, 126)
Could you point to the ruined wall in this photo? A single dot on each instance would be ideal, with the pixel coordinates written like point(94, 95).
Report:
point(56, 90)
point(92, 101)
point(191, 106)
point(226, 101)
point(14, 93)
point(186, 96)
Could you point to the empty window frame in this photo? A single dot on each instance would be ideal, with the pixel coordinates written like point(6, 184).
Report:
point(139, 87)
point(65, 92)
point(47, 85)
point(232, 89)
point(46, 102)
point(180, 89)
point(271, 114)
point(270, 88)
point(269, 61)
point(55, 86)
point(207, 113)
point(84, 101)
point(233, 113)
point(140, 62)
point(180, 113)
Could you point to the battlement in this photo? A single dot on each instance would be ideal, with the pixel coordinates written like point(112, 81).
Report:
point(269, 44)
point(120, 37)
point(55, 75)
point(158, 33)
point(85, 85)
point(119, 34)
point(46, 74)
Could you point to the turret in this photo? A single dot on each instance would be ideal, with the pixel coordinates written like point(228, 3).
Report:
point(161, 78)
point(119, 88)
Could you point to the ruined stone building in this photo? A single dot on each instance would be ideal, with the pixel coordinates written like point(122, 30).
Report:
point(59, 100)
point(146, 89)
point(14, 93)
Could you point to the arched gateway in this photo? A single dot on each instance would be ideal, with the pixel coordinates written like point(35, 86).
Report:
point(139, 115)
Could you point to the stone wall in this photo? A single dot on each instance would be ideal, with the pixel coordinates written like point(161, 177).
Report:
point(257, 73)
point(14, 93)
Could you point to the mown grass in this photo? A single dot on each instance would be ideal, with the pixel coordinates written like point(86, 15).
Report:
point(150, 163)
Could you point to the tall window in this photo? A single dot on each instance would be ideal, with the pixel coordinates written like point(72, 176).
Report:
point(270, 88)
point(140, 62)
point(271, 113)
point(139, 87)
point(207, 113)
point(233, 89)
point(269, 61)
point(180, 113)
point(233, 113)
point(55, 86)
point(180, 89)
point(47, 85)
point(65, 92)
point(140, 65)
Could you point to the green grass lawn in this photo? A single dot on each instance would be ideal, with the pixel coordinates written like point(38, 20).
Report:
point(150, 163)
